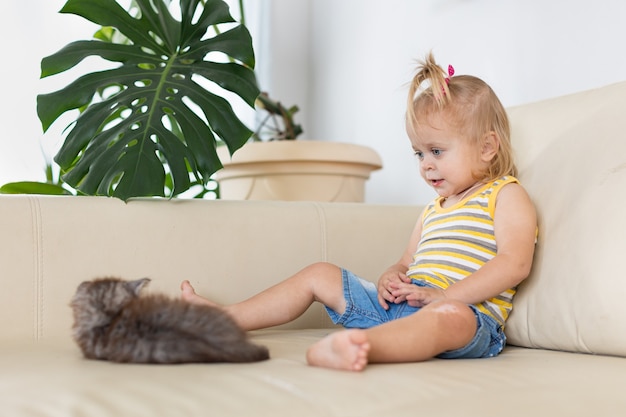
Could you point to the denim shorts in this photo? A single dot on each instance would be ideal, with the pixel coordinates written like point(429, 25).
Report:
point(363, 311)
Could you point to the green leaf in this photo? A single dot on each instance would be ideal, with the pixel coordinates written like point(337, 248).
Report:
point(149, 118)
point(214, 12)
point(160, 19)
point(140, 168)
point(75, 52)
point(110, 13)
point(231, 77)
point(31, 187)
point(235, 43)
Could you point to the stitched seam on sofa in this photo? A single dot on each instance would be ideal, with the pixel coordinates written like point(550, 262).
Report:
point(38, 302)
point(321, 216)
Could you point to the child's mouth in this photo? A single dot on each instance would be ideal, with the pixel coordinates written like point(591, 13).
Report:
point(436, 183)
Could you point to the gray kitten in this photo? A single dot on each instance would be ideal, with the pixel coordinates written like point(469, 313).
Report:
point(112, 322)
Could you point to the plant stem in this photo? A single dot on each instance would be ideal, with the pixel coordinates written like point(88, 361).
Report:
point(243, 17)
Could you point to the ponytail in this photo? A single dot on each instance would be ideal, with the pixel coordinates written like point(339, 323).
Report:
point(437, 92)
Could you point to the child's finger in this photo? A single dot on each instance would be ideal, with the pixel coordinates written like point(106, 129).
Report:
point(383, 302)
point(405, 279)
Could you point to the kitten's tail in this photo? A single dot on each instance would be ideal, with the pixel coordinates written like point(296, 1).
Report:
point(194, 350)
point(245, 351)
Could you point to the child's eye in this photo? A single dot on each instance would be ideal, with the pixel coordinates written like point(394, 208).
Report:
point(419, 154)
point(436, 152)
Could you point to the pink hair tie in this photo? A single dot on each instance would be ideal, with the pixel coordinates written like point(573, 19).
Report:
point(450, 73)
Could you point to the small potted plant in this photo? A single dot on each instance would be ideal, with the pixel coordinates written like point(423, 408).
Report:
point(274, 166)
point(277, 167)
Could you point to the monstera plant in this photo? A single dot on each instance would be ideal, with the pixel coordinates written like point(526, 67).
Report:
point(149, 126)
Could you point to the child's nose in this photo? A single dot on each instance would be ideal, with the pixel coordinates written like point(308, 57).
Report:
point(427, 163)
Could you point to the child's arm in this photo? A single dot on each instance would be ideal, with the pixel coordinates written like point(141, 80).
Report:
point(515, 225)
point(396, 273)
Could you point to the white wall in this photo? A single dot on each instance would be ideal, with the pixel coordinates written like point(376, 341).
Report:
point(346, 64)
point(360, 54)
point(28, 32)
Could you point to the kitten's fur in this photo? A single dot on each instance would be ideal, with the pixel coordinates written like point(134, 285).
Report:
point(112, 322)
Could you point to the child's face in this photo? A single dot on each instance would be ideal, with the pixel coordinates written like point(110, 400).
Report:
point(447, 160)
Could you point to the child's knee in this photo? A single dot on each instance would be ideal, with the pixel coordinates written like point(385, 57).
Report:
point(448, 307)
point(323, 269)
point(453, 313)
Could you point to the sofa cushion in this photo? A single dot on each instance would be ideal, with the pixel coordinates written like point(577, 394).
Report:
point(51, 379)
point(572, 157)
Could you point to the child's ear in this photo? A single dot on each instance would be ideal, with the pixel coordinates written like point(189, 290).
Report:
point(490, 146)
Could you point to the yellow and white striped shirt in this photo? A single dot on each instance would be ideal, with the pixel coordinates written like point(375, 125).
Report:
point(456, 241)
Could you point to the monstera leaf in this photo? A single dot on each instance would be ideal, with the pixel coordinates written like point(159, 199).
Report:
point(152, 115)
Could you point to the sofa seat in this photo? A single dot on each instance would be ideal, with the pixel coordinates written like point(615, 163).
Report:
point(526, 382)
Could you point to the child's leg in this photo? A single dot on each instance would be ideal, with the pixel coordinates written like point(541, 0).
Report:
point(285, 301)
point(436, 328)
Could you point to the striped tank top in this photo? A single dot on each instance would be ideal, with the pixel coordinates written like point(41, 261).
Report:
point(458, 240)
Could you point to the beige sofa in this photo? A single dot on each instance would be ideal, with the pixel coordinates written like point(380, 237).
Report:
point(567, 333)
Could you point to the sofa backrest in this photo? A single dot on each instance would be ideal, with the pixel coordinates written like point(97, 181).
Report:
point(572, 157)
point(229, 250)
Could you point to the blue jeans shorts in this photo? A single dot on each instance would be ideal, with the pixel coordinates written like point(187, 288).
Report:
point(363, 311)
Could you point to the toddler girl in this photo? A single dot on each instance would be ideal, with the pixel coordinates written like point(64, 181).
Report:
point(451, 291)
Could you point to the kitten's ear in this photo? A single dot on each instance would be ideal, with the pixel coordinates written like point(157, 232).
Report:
point(137, 285)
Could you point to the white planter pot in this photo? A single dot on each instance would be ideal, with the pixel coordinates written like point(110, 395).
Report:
point(300, 170)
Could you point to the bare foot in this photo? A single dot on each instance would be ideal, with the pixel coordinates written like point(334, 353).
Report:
point(345, 350)
point(189, 295)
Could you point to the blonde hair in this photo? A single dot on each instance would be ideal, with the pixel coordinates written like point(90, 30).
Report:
point(468, 104)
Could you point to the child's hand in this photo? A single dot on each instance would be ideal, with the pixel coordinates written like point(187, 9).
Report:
point(415, 295)
point(385, 287)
